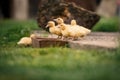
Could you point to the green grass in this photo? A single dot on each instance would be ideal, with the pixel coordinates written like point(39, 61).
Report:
point(11, 31)
point(26, 63)
point(58, 64)
point(107, 25)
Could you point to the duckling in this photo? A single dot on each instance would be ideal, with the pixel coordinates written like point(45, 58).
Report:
point(53, 29)
point(73, 22)
point(65, 31)
point(69, 32)
point(26, 41)
point(80, 28)
point(60, 21)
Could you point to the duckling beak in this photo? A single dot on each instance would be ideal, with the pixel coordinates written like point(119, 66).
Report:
point(47, 26)
point(55, 19)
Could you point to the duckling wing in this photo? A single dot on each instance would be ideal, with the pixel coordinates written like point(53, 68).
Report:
point(52, 30)
point(58, 31)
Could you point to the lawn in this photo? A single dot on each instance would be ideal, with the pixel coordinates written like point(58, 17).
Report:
point(107, 25)
point(58, 63)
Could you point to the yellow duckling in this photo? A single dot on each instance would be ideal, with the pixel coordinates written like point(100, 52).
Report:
point(26, 41)
point(69, 32)
point(53, 29)
point(64, 27)
point(80, 28)
point(65, 31)
point(60, 21)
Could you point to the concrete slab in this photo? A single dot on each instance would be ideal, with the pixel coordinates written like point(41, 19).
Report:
point(104, 40)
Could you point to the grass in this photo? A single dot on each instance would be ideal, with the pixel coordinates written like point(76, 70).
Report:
point(26, 63)
point(107, 25)
point(11, 31)
point(57, 64)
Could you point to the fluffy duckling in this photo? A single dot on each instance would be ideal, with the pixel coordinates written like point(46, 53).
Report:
point(69, 32)
point(64, 27)
point(26, 41)
point(80, 28)
point(73, 22)
point(59, 20)
point(65, 31)
point(53, 29)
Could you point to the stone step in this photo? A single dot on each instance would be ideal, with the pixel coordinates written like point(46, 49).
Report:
point(103, 40)
point(94, 40)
